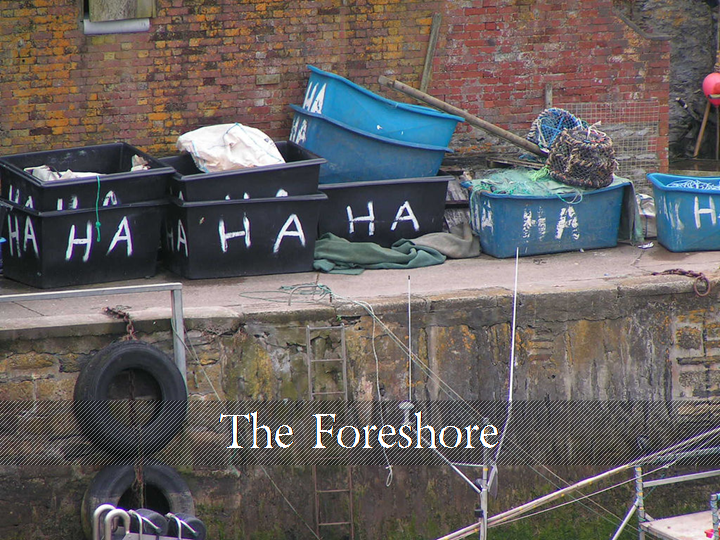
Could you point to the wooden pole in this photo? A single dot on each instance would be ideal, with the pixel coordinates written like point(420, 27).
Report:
point(471, 119)
point(432, 44)
point(717, 133)
point(701, 134)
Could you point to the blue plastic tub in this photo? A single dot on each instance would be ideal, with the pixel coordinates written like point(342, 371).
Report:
point(384, 212)
point(335, 97)
point(540, 225)
point(356, 156)
point(687, 211)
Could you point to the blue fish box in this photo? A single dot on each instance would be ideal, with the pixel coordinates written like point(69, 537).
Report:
point(335, 97)
point(386, 211)
point(244, 237)
point(540, 225)
point(687, 211)
point(354, 155)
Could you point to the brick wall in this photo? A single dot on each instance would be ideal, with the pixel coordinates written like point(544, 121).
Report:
point(216, 61)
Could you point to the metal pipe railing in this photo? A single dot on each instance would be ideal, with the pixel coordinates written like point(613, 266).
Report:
point(177, 321)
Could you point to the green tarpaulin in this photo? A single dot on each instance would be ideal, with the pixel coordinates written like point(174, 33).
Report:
point(339, 256)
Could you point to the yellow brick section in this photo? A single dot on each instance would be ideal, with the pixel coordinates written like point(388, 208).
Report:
point(220, 61)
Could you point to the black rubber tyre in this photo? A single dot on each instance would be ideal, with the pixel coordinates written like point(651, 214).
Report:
point(197, 526)
point(92, 403)
point(166, 491)
point(159, 522)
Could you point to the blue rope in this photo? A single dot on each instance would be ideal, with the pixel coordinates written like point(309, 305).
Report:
point(694, 184)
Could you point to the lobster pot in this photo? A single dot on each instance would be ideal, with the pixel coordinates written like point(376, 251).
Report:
point(582, 157)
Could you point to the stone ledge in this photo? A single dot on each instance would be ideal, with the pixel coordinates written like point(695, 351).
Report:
point(228, 319)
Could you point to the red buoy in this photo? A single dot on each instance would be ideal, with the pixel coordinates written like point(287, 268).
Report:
point(711, 88)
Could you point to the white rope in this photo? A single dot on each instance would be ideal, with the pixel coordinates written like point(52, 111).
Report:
point(445, 387)
point(409, 343)
point(191, 349)
point(511, 382)
point(388, 466)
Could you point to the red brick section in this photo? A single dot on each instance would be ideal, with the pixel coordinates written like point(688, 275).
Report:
point(216, 61)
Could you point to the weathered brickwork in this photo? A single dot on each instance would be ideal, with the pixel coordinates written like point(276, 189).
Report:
point(216, 61)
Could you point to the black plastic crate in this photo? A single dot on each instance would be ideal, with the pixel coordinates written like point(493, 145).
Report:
point(297, 176)
point(63, 248)
point(384, 211)
point(241, 237)
point(115, 184)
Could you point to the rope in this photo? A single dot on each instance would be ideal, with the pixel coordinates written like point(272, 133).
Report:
point(409, 343)
point(512, 363)
point(191, 350)
point(313, 289)
point(448, 390)
point(388, 466)
point(97, 208)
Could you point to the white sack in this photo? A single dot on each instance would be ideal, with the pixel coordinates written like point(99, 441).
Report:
point(48, 174)
point(225, 147)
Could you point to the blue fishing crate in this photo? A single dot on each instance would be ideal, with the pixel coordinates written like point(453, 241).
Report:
point(687, 211)
point(335, 97)
point(551, 224)
point(356, 156)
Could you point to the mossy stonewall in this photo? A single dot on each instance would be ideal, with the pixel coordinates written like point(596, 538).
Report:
point(640, 342)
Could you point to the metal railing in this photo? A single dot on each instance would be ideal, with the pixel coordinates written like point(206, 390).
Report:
point(176, 322)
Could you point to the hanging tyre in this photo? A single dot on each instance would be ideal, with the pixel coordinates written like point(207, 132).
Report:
point(186, 526)
point(130, 399)
point(164, 490)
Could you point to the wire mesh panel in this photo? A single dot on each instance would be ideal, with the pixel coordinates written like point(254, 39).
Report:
point(634, 128)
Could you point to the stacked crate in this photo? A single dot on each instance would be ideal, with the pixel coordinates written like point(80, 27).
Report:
point(258, 220)
point(101, 227)
point(383, 158)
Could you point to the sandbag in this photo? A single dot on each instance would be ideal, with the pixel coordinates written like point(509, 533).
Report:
point(226, 147)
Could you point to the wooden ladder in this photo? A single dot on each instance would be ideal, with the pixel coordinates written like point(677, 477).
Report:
point(337, 394)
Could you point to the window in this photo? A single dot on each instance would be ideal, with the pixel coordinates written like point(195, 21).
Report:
point(115, 10)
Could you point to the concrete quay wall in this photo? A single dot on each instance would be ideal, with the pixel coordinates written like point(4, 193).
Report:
point(637, 340)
